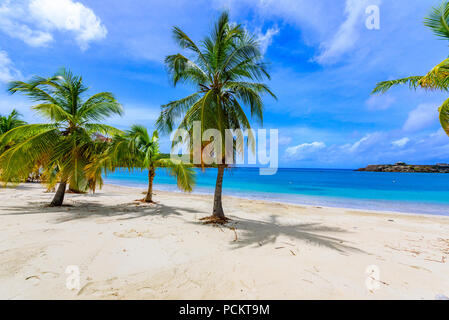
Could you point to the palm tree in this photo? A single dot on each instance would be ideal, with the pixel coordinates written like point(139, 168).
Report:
point(10, 121)
point(66, 144)
point(438, 77)
point(7, 123)
point(224, 71)
point(137, 149)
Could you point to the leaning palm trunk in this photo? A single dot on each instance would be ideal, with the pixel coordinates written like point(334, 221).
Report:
point(218, 207)
point(149, 196)
point(59, 196)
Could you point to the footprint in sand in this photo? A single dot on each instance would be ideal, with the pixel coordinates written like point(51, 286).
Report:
point(133, 234)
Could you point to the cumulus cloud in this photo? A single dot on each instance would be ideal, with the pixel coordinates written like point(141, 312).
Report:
point(7, 70)
point(35, 21)
point(348, 33)
point(401, 142)
point(334, 33)
point(422, 117)
point(12, 15)
point(305, 149)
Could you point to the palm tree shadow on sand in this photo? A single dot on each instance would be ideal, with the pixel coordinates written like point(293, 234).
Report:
point(250, 232)
point(258, 233)
point(87, 210)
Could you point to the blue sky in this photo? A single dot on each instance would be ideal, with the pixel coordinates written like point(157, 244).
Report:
point(323, 60)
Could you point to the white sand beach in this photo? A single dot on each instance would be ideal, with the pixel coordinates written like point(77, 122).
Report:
point(128, 250)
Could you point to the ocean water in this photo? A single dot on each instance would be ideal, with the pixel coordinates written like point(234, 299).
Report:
point(400, 192)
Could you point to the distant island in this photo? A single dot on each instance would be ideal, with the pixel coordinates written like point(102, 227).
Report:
point(403, 167)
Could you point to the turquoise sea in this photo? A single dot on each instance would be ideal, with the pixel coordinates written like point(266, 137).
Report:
point(401, 192)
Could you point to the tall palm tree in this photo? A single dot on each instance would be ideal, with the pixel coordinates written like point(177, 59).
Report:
point(224, 70)
point(137, 149)
point(67, 143)
point(438, 77)
point(11, 121)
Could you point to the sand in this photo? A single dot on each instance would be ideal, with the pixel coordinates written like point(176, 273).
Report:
point(124, 249)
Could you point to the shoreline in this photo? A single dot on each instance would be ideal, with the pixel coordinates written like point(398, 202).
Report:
point(373, 211)
point(125, 249)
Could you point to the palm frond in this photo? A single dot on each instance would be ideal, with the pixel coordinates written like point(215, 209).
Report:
point(384, 86)
point(172, 111)
point(184, 173)
point(185, 70)
point(444, 116)
point(71, 144)
point(17, 163)
point(107, 130)
point(100, 106)
point(224, 70)
point(438, 20)
point(52, 112)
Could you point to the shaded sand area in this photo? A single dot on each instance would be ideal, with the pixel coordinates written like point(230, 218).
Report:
point(128, 250)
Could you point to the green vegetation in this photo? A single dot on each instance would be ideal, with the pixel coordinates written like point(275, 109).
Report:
point(11, 121)
point(224, 69)
point(438, 77)
point(137, 149)
point(64, 146)
point(7, 123)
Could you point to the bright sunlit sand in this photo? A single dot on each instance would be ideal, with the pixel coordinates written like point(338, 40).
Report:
point(126, 250)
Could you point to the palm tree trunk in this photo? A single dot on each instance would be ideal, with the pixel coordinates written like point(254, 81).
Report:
point(59, 195)
point(149, 196)
point(218, 207)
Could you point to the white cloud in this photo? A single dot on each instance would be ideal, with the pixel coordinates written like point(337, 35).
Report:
point(362, 145)
point(7, 70)
point(265, 39)
point(11, 23)
point(293, 11)
point(439, 134)
point(34, 21)
point(401, 142)
point(356, 145)
point(347, 34)
point(379, 102)
point(302, 150)
point(422, 117)
point(334, 27)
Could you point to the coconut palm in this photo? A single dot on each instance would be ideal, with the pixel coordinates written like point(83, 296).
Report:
point(137, 149)
point(7, 123)
point(224, 70)
point(67, 143)
point(11, 121)
point(438, 77)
